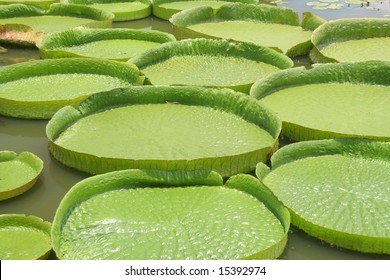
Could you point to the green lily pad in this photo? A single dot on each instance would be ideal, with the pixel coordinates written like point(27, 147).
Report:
point(212, 63)
point(18, 173)
point(355, 2)
point(116, 44)
point(330, 101)
point(352, 40)
point(336, 190)
point(59, 17)
point(164, 9)
point(144, 214)
point(166, 128)
point(265, 25)
point(24, 92)
point(44, 4)
point(24, 237)
point(123, 10)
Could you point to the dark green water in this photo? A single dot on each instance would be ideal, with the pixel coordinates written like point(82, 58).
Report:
point(29, 135)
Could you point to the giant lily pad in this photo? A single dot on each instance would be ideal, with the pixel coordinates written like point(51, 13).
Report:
point(144, 214)
point(123, 10)
point(265, 25)
point(352, 40)
point(213, 63)
point(336, 190)
point(165, 128)
point(118, 44)
point(37, 89)
point(164, 9)
point(18, 173)
point(24, 237)
point(44, 4)
point(328, 101)
point(58, 18)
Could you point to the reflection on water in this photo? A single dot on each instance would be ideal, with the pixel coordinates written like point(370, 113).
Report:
point(16, 55)
point(147, 23)
point(29, 135)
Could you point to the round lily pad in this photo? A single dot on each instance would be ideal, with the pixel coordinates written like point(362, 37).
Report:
point(24, 237)
point(164, 9)
point(336, 190)
point(330, 101)
point(58, 18)
point(352, 40)
point(145, 214)
point(44, 4)
point(117, 44)
point(164, 128)
point(123, 10)
point(212, 63)
point(24, 90)
point(265, 25)
point(18, 173)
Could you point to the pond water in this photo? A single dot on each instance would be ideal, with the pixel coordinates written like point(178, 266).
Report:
point(29, 135)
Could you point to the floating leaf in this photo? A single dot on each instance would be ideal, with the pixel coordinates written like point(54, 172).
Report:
point(355, 2)
point(117, 44)
point(58, 18)
point(212, 63)
point(264, 25)
point(122, 10)
point(336, 190)
point(352, 40)
point(335, 6)
point(44, 4)
point(24, 237)
point(24, 92)
point(18, 173)
point(144, 214)
point(165, 9)
point(312, 3)
point(329, 101)
point(167, 128)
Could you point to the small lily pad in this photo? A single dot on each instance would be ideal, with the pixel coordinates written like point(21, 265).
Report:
point(330, 101)
point(18, 173)
point(336, 190)
point(166, 128)
point(313, 3)
point(261, 24)
point(212, 63)
point(123, 10)
point(355, 2)
point(24, 92)
point(116, 44)
point(24, 237)
point(159, 215)
point(335, 6)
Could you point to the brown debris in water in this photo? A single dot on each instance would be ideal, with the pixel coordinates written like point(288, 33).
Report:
point(19, 34)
